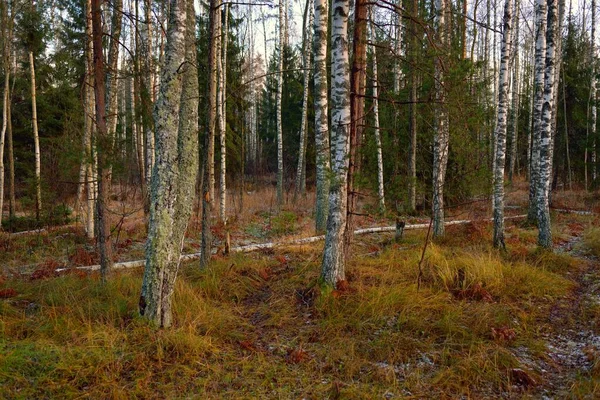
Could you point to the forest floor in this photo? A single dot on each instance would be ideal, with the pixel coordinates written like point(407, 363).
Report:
point(524, 323)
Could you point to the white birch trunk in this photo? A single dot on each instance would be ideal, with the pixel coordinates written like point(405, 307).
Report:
point(501, 122)
point(223, 117)
point(594, 95)
point(323, 154)
point(334, 257)
point(113, 65)
point(380, 183)
point(307, 37)
point(441, 136)
point(538, 88)
point(398, 48)
point(209, 148)
point(146, 92)
point(36, 141)
point(515, 97)
point(545, 148)
point(282, 6)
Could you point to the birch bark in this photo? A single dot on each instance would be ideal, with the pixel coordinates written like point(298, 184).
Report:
point(545, 148)
point(538, 88)
point(36, 140)
point(306, 53)
point(223, 116)
point(501, 120)
point(515, 97)
point(441, 136)
point(323, 155)
point(209, 145)
point(594, 95)
point(113, 67)
point(380, 183)
point(334, 255)
point(282, 6)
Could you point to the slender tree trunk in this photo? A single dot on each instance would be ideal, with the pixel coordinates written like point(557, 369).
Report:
point(12, 201)
point(282, 6)
point(501, 122)
point(543, 187)
point(515, 97)
point(5, 100)
point(145, 79)
point(323, 155)
point(86, 177)
point(103, 145)
point(380, 183)
point(358, 76)
point(223, 117)
point(442, 134)
point(594, 95)
point(36, 141)
point(334, 253)
point(306, 35)
point(538, 88)
point(412, 158)
point(567, 152)
point(209, 147)
point(176, 168)
point(113, 68)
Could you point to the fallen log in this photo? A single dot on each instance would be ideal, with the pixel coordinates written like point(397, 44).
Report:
point(265, 246)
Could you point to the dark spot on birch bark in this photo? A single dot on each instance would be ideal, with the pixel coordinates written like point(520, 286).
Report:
point(142, 305)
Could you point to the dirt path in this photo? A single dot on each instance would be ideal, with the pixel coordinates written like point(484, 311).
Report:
point(573, 337)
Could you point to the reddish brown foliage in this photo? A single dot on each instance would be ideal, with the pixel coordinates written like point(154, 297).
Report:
point(281, 259)
point(521, 377)
point(125, 244)
point(83, 257)
point(265, 273)
point(6, 293)
point(504, 334)
point(247, 345)
point(46, 270)
point(476, 292)
point(296, 356)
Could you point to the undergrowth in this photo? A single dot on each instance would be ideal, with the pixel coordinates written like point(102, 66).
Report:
point(258, 326)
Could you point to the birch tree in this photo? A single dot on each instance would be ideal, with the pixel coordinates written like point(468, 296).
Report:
point(380, 183)
point(334, 254)
point(515, 96)
point(592, 130)
point(321, 114)
point(306, 64)
point(282, 7)
point(176, 167)
point(222, 111)
point(442, 133)
point(501, 122)
point(545, 137)
point(145, 84)
point(538, 88)
point(209, 144)
point(34, 123)
point(113, 67)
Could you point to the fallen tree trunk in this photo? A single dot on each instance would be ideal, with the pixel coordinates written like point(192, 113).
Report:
point(265, 246)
